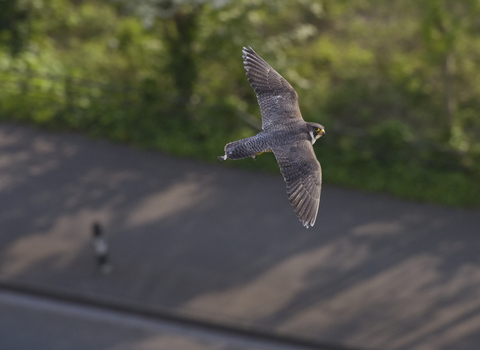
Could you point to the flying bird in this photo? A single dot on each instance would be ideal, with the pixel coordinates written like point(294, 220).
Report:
point(286, 134)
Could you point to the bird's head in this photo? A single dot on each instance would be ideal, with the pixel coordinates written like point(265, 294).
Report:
point(315, 131)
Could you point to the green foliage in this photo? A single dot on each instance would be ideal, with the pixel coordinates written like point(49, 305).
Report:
point(394, 82)
point(14, 24)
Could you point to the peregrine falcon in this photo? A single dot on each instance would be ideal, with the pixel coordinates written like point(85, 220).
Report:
point(284, 133)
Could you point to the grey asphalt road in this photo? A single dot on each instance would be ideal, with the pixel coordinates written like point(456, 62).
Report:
point(210, 242)
point(39, 323)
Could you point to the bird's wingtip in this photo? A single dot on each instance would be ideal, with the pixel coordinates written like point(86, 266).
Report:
point(308, 223)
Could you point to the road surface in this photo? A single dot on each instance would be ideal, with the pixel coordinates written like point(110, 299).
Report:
point(209, 242)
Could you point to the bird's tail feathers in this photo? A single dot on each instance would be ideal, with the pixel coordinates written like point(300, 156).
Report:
point(249, 147)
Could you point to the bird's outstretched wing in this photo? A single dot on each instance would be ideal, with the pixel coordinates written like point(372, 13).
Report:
point(277, 99)
point(303, 176)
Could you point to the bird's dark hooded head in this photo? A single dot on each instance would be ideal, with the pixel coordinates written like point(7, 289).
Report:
point(315, 131)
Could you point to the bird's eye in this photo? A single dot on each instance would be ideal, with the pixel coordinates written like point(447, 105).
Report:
point(317, 129)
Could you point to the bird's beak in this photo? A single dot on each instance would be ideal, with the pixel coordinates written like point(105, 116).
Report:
point(322, 132)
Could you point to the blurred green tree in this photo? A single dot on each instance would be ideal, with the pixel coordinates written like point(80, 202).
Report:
point(445, 25)
point(14, 24)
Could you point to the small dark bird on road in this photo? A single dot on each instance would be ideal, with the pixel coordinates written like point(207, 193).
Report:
point(100, 248)
point(286, 134)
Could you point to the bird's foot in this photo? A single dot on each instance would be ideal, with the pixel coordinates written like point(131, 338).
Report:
point(222, 157)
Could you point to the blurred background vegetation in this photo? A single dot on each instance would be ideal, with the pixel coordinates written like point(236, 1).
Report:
point(396, 83)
